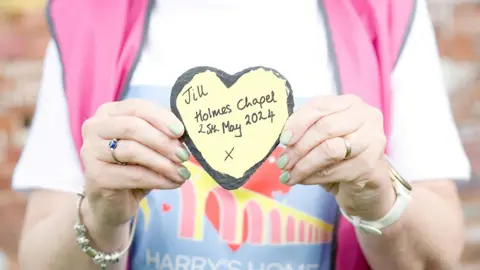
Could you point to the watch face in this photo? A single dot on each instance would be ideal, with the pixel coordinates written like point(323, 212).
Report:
point(400, 179)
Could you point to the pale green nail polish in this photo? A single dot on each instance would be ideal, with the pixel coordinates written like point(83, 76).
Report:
point(285, 137)
point(282, 162)
point(183, 154)
point(176, 128)
point(184, 172)
point(284, 177)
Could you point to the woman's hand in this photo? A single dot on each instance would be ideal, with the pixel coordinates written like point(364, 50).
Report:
point(318, 136)
point(148, 142)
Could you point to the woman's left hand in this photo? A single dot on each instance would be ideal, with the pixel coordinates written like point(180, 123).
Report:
point(318, 138)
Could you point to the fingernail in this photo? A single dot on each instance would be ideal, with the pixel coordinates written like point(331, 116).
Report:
point(176, 128)
point(282, 162)
point(284, 177)
point(285, 137)
point(184, 172)
point(183, 154)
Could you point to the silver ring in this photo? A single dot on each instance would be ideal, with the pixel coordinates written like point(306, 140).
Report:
point(113, 145)
point(348, 146)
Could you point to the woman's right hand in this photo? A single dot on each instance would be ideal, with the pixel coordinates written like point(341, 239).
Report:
point(148, 141)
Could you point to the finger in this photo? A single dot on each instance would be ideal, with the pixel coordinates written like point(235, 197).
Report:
point(326, 154)
point(132, 152)
point(300, 121)
point(345, 171)
point(335, 125)
point(159, 117)
point(331, 188)
point(113, 176)
point(348, 170)
point(137, 129)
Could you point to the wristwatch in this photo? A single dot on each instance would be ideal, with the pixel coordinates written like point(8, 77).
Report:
point(403, 191)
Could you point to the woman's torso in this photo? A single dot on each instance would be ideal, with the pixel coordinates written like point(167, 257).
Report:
point(264, 225)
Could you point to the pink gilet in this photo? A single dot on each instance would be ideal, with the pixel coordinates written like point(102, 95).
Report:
point(99, 44)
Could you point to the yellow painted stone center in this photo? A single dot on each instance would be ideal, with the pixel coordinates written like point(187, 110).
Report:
point(234, 128)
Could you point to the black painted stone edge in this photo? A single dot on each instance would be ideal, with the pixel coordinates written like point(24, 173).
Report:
point(224, 180)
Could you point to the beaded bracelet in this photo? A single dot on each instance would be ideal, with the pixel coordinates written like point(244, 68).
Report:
point(98, 257)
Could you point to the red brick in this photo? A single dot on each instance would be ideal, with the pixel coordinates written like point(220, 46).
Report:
point(458, 29)
point(459, 47)
point(6, 84)
point(6, 123)
point(23, 35)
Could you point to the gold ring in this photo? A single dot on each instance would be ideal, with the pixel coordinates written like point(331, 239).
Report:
point(348, 146)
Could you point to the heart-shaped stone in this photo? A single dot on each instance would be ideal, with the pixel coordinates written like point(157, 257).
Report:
point(232, 122)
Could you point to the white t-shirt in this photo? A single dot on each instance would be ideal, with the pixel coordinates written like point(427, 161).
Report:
point(424, 142)
point(232, 35)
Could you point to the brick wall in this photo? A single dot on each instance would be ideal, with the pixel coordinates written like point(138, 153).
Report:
point(458, 32)
point(23, 37)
